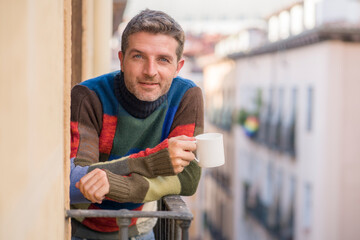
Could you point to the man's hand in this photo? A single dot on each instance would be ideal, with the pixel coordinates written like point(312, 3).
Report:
point(180, 150)
point(94, 185)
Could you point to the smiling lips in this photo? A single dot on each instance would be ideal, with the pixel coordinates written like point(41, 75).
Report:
point(148, 84)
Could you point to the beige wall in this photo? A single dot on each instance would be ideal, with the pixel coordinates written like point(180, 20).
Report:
point(35, 79)
point(32, 109)
point(97, 26)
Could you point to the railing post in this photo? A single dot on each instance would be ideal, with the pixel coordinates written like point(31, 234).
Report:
point(177, 230)
point(123, 224)
point(185, 224)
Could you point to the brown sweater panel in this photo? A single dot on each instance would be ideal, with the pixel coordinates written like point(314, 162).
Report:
point(86, 111)
point(191, 110)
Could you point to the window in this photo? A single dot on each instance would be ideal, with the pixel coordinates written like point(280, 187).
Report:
point(307, 207)
point(309, 113)
point(288, 130)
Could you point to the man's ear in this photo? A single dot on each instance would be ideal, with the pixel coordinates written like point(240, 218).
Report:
point(180, 64)
point(121, 58)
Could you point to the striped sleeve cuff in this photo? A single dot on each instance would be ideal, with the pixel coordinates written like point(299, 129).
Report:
point(153, 165)
point(131, 188)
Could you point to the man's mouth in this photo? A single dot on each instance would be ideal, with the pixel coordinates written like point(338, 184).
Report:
point(148, 83)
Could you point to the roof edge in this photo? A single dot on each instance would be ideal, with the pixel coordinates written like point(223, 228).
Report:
point(316, 35)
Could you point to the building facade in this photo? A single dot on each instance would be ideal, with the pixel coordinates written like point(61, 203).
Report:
point(288, 112)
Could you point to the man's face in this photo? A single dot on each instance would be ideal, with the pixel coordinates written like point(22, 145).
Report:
point(150, 64)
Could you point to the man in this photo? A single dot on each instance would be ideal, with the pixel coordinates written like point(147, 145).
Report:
point(132, 132)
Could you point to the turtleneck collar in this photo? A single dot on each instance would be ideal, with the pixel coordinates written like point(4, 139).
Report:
point(137, 108)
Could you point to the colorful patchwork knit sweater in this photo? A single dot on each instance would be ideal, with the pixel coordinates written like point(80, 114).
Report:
point(112, 130)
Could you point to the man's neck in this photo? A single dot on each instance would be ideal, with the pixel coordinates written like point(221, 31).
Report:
point(134, 106)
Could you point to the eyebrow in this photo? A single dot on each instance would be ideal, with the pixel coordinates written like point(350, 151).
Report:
point(134, 51)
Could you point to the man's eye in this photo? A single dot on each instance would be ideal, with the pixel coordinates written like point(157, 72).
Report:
point(137, 56)
point(164, 60)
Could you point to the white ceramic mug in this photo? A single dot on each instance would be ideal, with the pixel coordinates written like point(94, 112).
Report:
point(210, 150)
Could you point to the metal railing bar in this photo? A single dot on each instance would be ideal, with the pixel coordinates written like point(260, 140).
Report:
point(124, 213)
point(177, 231)
point(172, 228)
point(167, 226)
point(174, 218)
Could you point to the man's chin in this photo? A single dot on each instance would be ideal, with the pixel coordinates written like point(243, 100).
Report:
point(147, 98)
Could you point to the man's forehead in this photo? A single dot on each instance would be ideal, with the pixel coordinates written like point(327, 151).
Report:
point(145, 42)
point(145, 34)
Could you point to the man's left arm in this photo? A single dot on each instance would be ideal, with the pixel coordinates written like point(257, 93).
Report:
point(189, 122)
point(167, 158)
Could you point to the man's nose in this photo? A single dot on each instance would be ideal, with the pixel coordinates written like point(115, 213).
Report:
point(150, 68)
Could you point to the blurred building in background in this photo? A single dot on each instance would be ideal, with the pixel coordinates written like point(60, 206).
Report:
point(286, 100)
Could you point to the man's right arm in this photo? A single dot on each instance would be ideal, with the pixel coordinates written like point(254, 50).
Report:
point(86, 126)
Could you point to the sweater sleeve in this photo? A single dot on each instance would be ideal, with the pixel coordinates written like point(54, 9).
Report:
point(151, 162)
point(85, 126)
point(189, 120)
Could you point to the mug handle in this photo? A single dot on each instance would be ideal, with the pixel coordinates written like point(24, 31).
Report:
point(195, 157)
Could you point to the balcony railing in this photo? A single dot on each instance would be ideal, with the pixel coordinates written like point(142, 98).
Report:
point(174, 218)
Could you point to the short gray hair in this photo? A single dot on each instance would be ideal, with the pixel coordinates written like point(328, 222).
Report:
point(155, 22)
